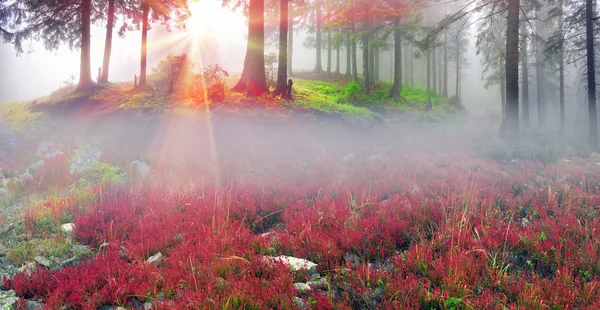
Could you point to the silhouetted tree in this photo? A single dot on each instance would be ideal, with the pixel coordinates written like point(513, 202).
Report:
point(281, 87)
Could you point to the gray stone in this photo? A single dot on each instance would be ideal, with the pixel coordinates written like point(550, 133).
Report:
point(71, 262)
point(67, 228)
point(156, 259)
point(43, 261)
point(320, 284)
point(352, 259)
point(84, 157)
point(148, 305)
point(111, 308)
point(300, 303)
point(79, 250)
point(296, 264)
point(135, 303)
point(302, 287)
point(27, 268)
point(8, 300)
point(376, 157)
point(315, 276)
point(25, 177)
point(34, 305)
point(35, 167)
point(348, 158)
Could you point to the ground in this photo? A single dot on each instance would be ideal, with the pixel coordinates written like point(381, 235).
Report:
point(125, 201)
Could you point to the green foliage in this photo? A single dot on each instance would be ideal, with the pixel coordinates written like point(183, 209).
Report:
point(453, 303)
point(27, 250)
point(354, 94)
point(173, 66)
point(104, 173)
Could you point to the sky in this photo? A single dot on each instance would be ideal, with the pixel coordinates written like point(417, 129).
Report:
point(213, 35)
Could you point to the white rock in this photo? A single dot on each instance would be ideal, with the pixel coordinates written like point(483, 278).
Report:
point(141, 168)
point(302, 287)
point(43, 261)
point(296, 264)
point(67, 228)
point(156, 259)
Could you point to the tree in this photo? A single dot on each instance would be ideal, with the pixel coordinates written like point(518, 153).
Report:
point(55, 23)
point(525, 75)
point(397, 86)
point(281, 87)
point(253, 79)
point(591, 74)
point(511, 119)
point(318, 36)
point(108, 43)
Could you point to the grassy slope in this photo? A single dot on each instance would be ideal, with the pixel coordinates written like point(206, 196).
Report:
point(312, 93)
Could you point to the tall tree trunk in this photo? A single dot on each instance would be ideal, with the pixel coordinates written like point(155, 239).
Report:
point(397, 87)
point(348, 56)
point(354, 60)
point(433, 69)
point(411, 63)
point(376, 65)
point(328, 52)
point(503, 97)
point(561, 71)
point(290, 45)
point(253, 79)
point(591, 74)
point(457, 69)
point(428, 75)
point(540, 71)
point(281, 87)
point(144, 57)
point(525, 75)
point(318, 66)
point(371, 59)
point(108, 43)
point(85, 71)
point(510, 128)
point(366, 78)
point(337, 59)
point(445, 82)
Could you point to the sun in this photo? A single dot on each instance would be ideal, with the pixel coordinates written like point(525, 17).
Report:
point(209, 18)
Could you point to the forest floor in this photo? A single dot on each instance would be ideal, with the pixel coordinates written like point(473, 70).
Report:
point(122, 200)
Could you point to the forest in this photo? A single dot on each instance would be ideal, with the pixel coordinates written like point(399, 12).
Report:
point(299, 154)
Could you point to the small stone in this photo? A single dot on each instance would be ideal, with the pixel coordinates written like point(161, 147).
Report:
point(302, 287)
point(148, 305)
point(27, 268)
point(566, 160)
point(156, 259)
point(43, 261)
point(352, 259)
point(299, 302)
point(296, 264)
point(35, 167)
point(319, 284)
point(376, 157)
point(67, 228)
point(34, 305)
point(71, 262)
point(79, 250)
point(135, 303)
point(25, 177)
point(315, 276)
point(142, 169)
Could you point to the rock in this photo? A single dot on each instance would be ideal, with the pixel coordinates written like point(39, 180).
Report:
point(43, 148)
point(296, 264)
point(352, 259)
point(148, 305)
point(79, 250)
point(376, 157)
point(43, 261)
point(34, 305)
point(320, 284)
point(111, 308)
point(25, 177)
point(378, 294)
point(71, 262)
point(302, 287)
point(142, 169)
point(84, 157)
point(27, 268)
point(300, 303)
point(566, 160)
point(35, 167)
point(67, 228)
point(135, 303)
point(8, 299)
point(53, 153)
point(514, 161)
point(348, 158)
point(156, 259)
point(123, 253)
point(315, 276)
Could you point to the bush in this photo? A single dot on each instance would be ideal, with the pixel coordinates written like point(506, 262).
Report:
point(354, 94)
point(214, 81)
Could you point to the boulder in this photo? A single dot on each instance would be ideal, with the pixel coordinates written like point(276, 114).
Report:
point(35, 167)
point(156, 259)
point(302, 287)
point(84, 157)
point(43, 261)
point(8, 299)
point(34, 305)
point(141, 169)
point(296, 264)
point(67, 228)
point(320, 284)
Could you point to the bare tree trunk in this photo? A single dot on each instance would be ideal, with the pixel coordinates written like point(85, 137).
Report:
point(145, 12)
point(397, 87)
point(445, 82)
point(540, 71)
point(366, 79)
point(328, 52)
point(348, 56)
point(561, 70)
point(525, 75)
point(354, 60)
point(371, 59)
point(376, 64)
point(457, 69)
point(318, 66)
point(428, 75)
point(337, 59)
point(281, 87)
point(253, 79)
point(503, 97)
point(108, 41)
point(85, 71)
point(290, 45)
point(510, 128)
point(433, 69)
point(411, 63)
point(591, 74)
